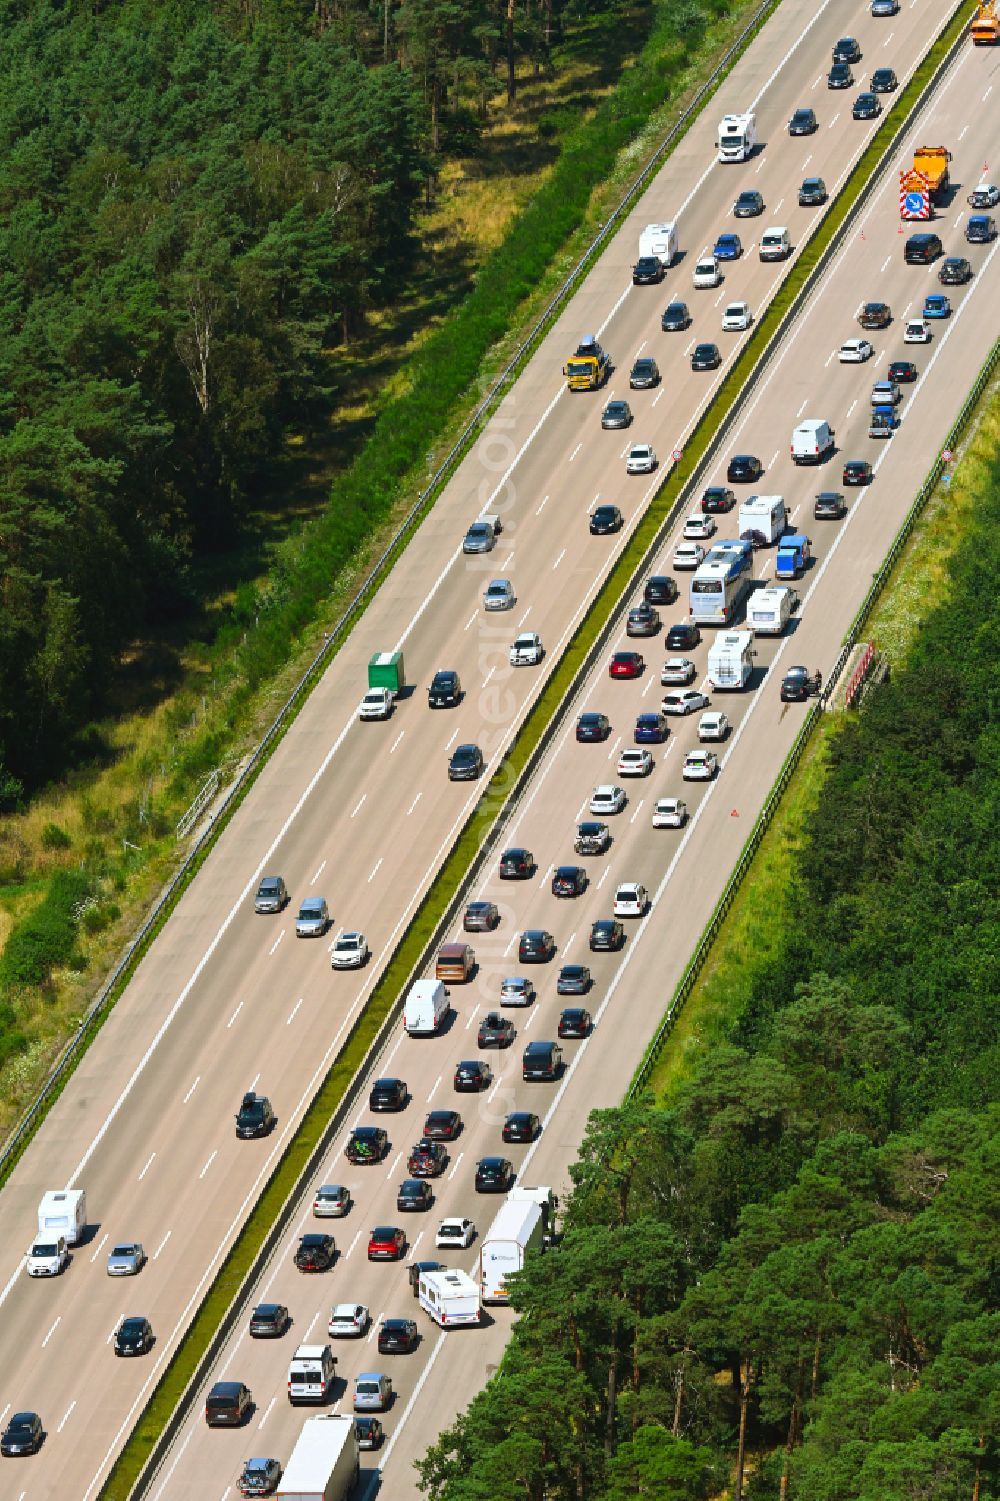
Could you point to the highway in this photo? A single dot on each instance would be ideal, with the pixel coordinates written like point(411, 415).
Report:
point(226, 1000)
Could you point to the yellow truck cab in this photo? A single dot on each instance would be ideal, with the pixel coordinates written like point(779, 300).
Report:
point(589, 367)
point(986, 25)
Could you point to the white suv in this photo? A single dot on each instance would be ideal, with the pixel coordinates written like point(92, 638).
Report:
point(47, 1258)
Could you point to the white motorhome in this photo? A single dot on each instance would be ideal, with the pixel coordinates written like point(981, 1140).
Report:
point(325, 1463)
point(312, 1371)
point(659, 240)
point(451, 1298)
point(730, 660)
point(812, 440)
point(737, 137)
point(764, 514)
point(425, 1007)
point(517, 1231)
point(769, 610)
point(63, 1211)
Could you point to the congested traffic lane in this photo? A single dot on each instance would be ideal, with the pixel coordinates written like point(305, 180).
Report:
point(685, 870)
point(226, 1001)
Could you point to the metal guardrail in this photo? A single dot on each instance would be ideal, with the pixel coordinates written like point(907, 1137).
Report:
point(205, 795)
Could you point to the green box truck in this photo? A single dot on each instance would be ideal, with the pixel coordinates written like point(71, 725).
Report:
point(385, 670)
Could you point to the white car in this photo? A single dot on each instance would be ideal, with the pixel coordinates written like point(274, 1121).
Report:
point(641, 459)
point(669, 813)
point(714, 725)
point(855, 352)
point(455, 1232)
point(376, 704)
point(706, 273)
point(697, 527)
point(499, 595)
point(349, 1321)
point(631, 900)
point(349, 951)
point(688, 555)
point(677, 670)
point(984, 196)
point(916, 332)
point(48, 1257)
point(607, 799)
point(527, 649)
point(699, 766)
point(635, 762)
point(683, 701)
point(736, 317)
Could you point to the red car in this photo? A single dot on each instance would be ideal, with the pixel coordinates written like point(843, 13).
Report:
point(626, 664)
point(386, 1243)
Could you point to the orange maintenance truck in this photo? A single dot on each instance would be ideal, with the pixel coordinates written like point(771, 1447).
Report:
point(933, 161)
point(985, 27)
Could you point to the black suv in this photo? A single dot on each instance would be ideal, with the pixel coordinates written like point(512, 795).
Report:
point(445, 690)
point(660, 590)
point(802, 123)
point(592, 726)
point(397, 1337)
point(494, 1175)
point(798, 684)
point(466, 763)
point(536, 946)
point(921, 249)
point(955, 271)
point(812, 191)
point(521, 1126)
point(414, 1194)
point(541, 1060)
point(227, 1404)
point(366, 1146)
point(645, 374)
point(316, 1252)
point(134, 1336)
point(606, 935)
point(744, 469)
point(683, 636)
point(22, 1435)
point(676, 317)
point(605, 520)
point(575, 1021)
point(840, 76)
point(717, 500)
point(516, 864)
point(569, 880)
point(388, 1094)
point(471, 1076)
point(830, 505)
point(255, 1117)
point(646, 271)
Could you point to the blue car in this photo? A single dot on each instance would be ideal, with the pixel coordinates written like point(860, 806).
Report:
point(936, 306)
point(651, 729)
point(980, 229)
point(728, 248)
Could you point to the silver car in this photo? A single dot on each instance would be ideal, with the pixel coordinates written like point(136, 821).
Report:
point(499, 595)
point(313, 919)
point(332, 1201)
point(272, 894)
point(516, 990)
point(126, 1259)
point(372, 1392)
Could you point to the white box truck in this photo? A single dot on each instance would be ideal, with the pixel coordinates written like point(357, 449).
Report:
point(63, 1211)
point(737, 137)
point(769, 610)
point(730, 660)
point(425, 1007)
point(765, 515)
point(516, 1232)
point(324, 1464)
point(659, 240)
point(451, 1298)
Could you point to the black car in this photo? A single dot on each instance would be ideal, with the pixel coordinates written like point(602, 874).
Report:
point(866, 106)
point(414, 1194)
point(981, 229)
point(857, 472)
point(368, 1429)
point(748, 205)
point(660, 590)
point(466, 763)
point(569, 880)
point(255, 1116)
point(616, 415)
point(471, 1076)
point(397, 1337)
point(574, 979)
point(481, 917)
point(494, 1175)
point(428, 1159)
point(521, 1126)
point(592, 726)
point(316, 1252)
point(442, 1125)
point(812, 191)
point(445, 690)
point(676, 317)
point(682, 636)
point(541, 1060)
point(269, 1321)
point(744, 469)
point(802, 123)
point(798, 684)
point(575, 1021)
point(259, 1477)
point(647, 270)
point(388, 1094)
point(643, 620)
point(228, 1404)
point(847, 50)
point(840, 76)
point(875, 315)
point(645, 373)
point(415, 1268)
point(830, 505)
point(903, 372)
point(955, 271)
point(495, 1031)
point(366, 1145)
point(605, 520)
point(134, 1336)
point(516, 864)
point(606, 935)
point(884, 81)
point(717, 500)
point(536, 946)
point(921, 249)
point(705, 357)
point(592, 838)
point(22, 1435)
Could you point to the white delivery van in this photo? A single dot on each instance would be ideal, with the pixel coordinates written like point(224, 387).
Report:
point(517, 1231)
point(769, 610)
point(659, 240)
point(812, 440)
point(325, 1463)
point(311, 1374)
point(450, 1298)
point(730, 660)
point(63, 1211)
point(425, 1007)
point(47, 1258)
point(737, 137)
point(775, 244)
point(706, 273)
point(764, 514)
